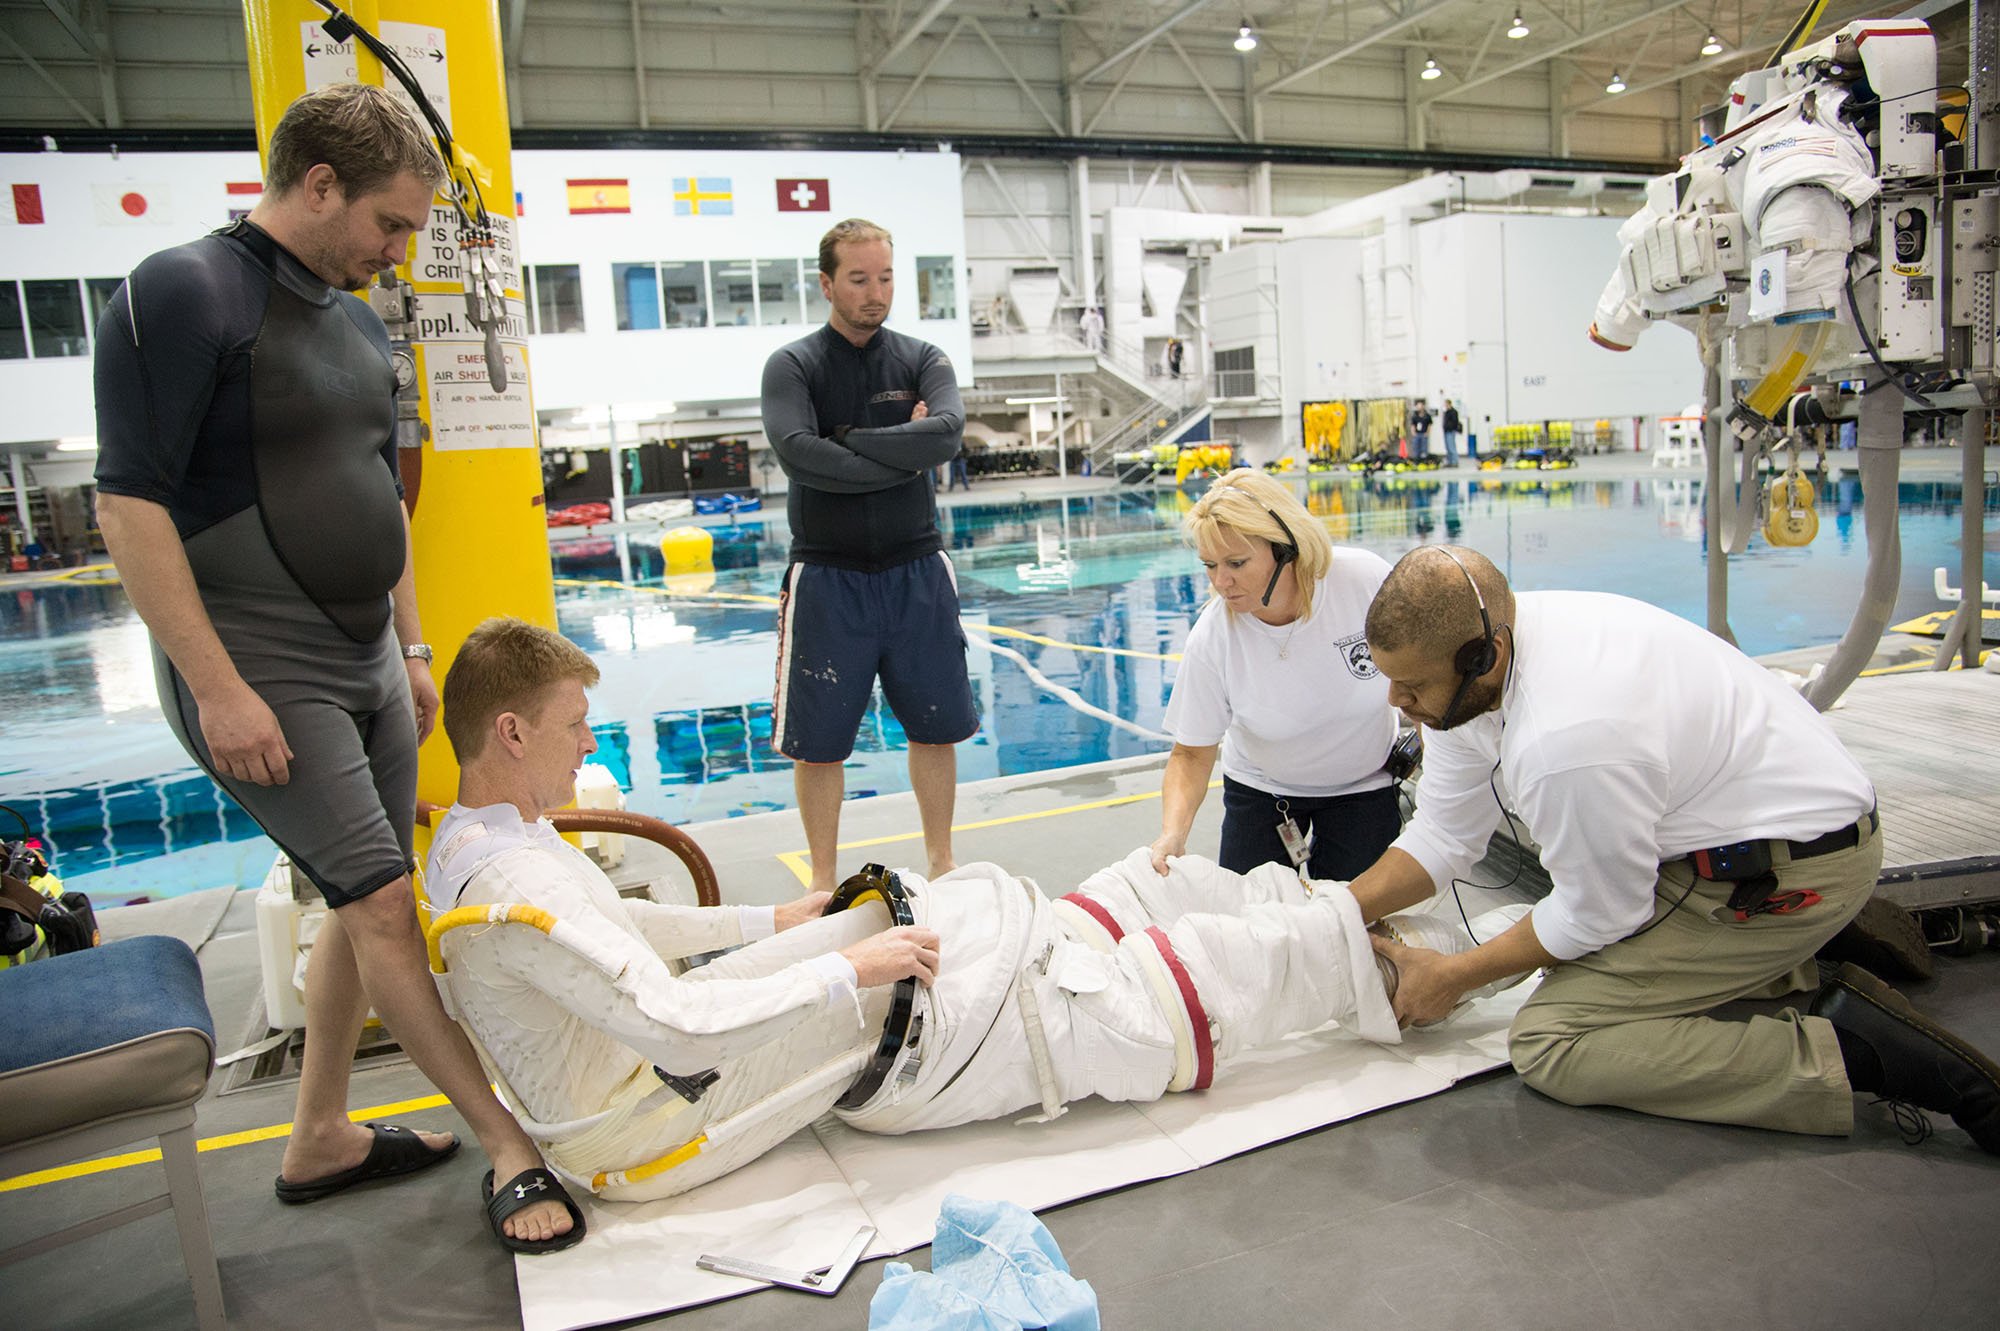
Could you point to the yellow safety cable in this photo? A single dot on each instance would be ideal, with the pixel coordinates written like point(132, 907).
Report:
point(1798, 34)
point(671, 594)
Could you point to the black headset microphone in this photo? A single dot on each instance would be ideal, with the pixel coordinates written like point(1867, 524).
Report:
point(1281, 554)
point(1475, 656)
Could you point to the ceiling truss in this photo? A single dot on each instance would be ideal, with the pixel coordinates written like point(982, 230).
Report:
point(1103, 50)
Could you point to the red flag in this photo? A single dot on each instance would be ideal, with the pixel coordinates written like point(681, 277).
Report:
point(243, 196)
point(803, 196)
point(27, 205)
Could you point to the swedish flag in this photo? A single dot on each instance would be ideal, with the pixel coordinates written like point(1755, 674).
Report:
point(703, 196)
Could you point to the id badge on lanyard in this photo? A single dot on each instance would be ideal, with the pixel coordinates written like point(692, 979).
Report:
point(1298, 845)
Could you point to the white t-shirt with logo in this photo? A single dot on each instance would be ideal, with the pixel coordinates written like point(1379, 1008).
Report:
point(1299, 708)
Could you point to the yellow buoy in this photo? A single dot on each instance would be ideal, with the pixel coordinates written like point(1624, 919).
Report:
point(1790, 516)
point(688, 550)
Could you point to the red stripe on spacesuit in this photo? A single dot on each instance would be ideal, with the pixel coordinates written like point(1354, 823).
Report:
point(1096, 912)
point(1204, 1046)
point(1913, 29)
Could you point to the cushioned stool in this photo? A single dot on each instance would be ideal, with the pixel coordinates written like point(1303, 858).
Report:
point(106, 1047)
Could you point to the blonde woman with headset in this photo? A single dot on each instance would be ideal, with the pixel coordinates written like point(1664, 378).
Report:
point(1276, 680)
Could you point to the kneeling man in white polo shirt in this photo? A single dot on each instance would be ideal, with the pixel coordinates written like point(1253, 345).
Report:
point(1704, 833)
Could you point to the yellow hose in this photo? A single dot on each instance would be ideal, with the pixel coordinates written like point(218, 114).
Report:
point(534, 916)
point(1789, 370)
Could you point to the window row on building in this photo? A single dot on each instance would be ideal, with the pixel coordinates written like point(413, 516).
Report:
point(47, 317)
point(713, 293)
point(43, 318)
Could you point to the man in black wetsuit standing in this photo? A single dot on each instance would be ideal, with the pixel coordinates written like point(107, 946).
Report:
point(247, 491)
point(858, 415)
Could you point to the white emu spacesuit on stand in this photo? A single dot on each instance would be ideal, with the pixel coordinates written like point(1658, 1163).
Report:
point(1806, 211)
point(1770, 213)
point(1129, 987)
point(1803, 243)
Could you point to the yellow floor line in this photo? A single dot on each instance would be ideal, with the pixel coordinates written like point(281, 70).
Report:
point(800, 862)
point(1925, 663)
point(222, 1143)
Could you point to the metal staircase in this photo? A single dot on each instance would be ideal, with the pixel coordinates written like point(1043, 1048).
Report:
point(1166, 410)
point(1155, 409)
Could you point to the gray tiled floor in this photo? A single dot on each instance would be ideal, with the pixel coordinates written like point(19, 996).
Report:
point(1488, 1205)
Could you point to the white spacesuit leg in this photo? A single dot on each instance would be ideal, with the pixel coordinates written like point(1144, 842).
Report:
point(1168, 1004)
point(1274, 969)
point(1217, 962)
point(1129, 896)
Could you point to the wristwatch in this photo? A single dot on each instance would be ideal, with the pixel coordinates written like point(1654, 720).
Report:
point(418, 651)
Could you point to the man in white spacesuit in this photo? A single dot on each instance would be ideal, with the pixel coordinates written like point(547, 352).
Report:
point(640, 1081)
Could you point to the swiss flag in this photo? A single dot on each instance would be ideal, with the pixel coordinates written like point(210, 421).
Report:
point(803, 196)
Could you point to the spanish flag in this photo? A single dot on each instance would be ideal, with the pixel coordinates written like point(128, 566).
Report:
point(600, 196)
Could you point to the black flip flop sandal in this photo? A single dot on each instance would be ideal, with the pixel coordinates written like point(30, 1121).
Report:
point(396, 1151)
point(525, 1189)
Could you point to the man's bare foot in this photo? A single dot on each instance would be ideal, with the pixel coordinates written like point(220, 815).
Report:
point(939, 868)
point(316, 1153)
point(533, 1224)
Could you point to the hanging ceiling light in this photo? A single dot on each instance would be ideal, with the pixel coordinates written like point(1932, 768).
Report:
point(1617, 84)
point(1431, 70)
point(1246, 37)
point(1520, 28)
point(1713, 46)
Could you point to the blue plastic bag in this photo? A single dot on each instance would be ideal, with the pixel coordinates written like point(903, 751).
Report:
point(994, 1267)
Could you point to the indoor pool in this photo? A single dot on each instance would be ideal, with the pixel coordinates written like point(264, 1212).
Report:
point(1092, 594)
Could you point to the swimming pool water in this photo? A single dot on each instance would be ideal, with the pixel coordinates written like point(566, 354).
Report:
point(683, 713)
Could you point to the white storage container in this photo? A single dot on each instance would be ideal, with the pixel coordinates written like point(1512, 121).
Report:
point(286, 928)
point(597, 788)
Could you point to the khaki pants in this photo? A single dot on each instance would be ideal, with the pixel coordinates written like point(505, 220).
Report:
point(1627, 1025)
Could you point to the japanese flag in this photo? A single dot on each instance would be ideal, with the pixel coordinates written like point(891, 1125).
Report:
point(123, 205)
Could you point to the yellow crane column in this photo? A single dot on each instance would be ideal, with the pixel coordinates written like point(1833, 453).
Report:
point(481, 542)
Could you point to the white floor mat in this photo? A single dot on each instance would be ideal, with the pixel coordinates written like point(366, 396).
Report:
point(798, 1205)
